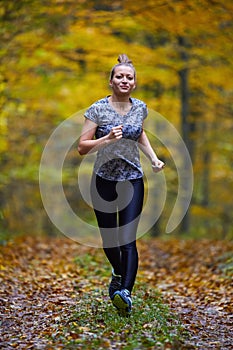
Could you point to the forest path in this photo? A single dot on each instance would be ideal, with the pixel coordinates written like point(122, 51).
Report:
point(195, 278)
point(42, 280)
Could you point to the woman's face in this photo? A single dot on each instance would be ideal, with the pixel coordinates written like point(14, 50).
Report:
point(123, 81)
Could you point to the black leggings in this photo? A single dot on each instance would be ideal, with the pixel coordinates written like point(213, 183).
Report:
point(117, 207)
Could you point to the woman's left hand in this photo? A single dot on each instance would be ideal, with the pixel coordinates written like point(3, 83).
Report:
point(157, 165)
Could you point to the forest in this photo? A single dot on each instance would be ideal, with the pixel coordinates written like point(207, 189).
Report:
point(55, 58)
point(55, 62)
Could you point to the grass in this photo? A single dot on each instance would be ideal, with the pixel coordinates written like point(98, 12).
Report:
point(95, 324)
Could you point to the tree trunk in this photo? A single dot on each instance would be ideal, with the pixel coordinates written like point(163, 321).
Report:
point(185, 111)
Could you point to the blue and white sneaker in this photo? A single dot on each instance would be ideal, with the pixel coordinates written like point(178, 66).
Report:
point(123, 302)
point(115, 284)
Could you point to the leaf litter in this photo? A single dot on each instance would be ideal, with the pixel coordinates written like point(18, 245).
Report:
point(44, 281)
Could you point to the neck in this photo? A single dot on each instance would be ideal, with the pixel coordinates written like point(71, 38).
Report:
point(121, 105)
point(115, 98)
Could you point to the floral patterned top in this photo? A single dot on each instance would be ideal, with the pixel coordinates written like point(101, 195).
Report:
point(120, 160)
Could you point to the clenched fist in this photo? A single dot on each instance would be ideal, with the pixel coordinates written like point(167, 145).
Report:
point(116, 132)
point(157, 165)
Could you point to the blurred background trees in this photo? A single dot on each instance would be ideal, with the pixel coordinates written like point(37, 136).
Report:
point(55, 60)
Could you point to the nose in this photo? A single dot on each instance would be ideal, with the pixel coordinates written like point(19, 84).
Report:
point(124, 79)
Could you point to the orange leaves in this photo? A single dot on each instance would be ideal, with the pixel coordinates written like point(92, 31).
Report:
point(50, 285)
point(195, 284)
point(55, 60)
point(38, 282)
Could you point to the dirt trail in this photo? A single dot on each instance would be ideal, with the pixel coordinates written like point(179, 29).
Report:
point(195, 278)
point(39, 282)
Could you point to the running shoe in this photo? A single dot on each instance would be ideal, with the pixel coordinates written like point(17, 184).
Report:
point(115, 284)
point(123, 302)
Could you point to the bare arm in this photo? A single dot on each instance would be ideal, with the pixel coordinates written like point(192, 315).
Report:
point(146, 148)
point(87, 142)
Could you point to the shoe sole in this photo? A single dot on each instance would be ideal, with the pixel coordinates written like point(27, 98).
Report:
point(121, 305)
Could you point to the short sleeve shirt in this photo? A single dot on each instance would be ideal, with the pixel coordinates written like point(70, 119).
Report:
point(120, 160)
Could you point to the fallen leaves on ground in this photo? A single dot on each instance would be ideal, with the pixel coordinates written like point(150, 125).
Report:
point(43, 280)
point(195, 277)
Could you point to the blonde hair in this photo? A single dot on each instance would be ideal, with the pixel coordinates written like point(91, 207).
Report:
point(123, 61)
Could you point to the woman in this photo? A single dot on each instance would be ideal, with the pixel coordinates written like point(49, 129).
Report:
point(114, 127)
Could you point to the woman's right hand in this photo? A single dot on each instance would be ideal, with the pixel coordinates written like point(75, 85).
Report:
point(116, 133)
point(87, 142)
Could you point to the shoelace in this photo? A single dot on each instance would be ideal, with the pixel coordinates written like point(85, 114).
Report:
point(126, 294)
